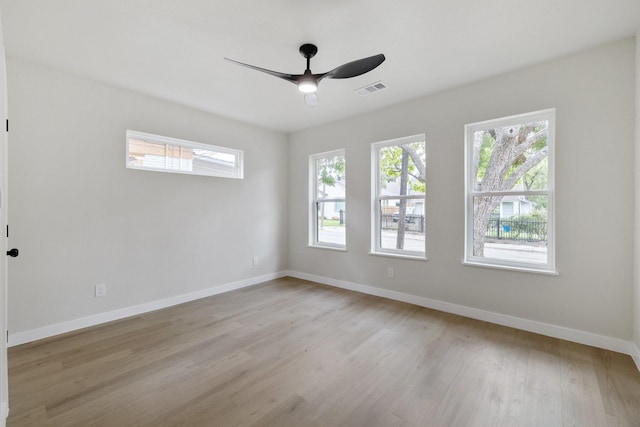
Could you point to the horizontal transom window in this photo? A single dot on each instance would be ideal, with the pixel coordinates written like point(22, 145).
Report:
point(164, 154)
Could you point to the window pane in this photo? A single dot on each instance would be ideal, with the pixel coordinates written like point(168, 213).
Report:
point(331, 223)
point(209, 162)
point(159, 153)
point(330, 177)
point(511, 158)
point(402, 224)
point(514, 230)
point(402, 169)
point(328, 199)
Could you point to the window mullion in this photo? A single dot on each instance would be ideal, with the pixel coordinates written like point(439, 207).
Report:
point(509, 193)
point(408, 197)
point(340, 199)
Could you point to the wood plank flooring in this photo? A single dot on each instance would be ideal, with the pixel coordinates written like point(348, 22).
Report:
point(295, 353)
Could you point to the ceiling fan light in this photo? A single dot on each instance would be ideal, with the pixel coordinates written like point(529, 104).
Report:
point(307, 85)
point(311, 99)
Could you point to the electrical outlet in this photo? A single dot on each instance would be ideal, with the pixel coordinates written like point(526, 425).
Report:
point(255, 261)
point(389, 271)
point(101, 290)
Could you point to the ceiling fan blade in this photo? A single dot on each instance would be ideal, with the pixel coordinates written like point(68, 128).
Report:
point(354, 68)
point(293, 78)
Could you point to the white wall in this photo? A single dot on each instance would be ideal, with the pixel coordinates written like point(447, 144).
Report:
point(80, 217)
point(4, 382)
point(636, 299)
point(594, 194)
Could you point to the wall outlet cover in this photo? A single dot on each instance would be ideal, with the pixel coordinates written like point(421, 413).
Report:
point(101, 290)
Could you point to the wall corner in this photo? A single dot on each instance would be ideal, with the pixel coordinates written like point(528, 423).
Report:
point(636, 264)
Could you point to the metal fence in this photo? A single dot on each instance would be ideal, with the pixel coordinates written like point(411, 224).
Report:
point(521, 230)
point(514, 229)
point(412, 222)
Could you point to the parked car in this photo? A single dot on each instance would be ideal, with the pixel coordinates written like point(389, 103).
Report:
point(409, 217)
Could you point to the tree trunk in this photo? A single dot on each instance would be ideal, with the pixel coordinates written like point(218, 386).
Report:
point(404, 178)
point(511, 143)
point(482, 209)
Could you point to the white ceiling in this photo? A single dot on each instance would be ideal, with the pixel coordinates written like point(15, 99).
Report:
point(174, 49)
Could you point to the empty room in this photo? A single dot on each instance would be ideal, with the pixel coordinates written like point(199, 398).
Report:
point(320, 213)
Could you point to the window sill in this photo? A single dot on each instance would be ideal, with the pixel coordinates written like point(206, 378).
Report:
point(511, 268)
point(330, 248)
point(402, 256)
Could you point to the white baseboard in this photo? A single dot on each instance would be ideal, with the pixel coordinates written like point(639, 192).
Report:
point(84, 322)
point(574, 335)
point(568, 334)
point(4, 413)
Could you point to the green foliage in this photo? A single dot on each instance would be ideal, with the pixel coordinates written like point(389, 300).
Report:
point(390, 161)
point(530, 226)
point(527, 228)
point(391, 165)
point(419, 187)
point(330, 170)
point(535, 216)
point(536, 177)
point(332, 223)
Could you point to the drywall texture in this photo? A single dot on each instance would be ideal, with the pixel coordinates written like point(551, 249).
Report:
point(594, 97)
point(636, 299)
point(4, 382)
point(81, 218)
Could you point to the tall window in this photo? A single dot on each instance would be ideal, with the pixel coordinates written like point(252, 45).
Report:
point(509, 192)
point(328, 202)
point(399, 188)
point(162, 153)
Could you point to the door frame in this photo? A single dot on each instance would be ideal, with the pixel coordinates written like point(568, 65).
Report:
point(4, 380)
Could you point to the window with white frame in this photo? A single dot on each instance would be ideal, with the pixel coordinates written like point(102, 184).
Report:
point(161, 153)
point(328, 199)
point(399, 190)
point(509, 192)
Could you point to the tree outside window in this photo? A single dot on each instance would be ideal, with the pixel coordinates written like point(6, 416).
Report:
point(328, 201)
point(399, 196)
point(509, 191)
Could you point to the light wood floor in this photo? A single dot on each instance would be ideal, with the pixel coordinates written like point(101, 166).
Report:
point(295, 353)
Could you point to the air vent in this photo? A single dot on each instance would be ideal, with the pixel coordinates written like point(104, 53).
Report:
point(372, 88)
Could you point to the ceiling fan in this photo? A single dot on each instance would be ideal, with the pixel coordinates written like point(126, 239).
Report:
point(308, 82)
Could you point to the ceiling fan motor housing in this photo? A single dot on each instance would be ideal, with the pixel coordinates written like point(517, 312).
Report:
point(308, 50)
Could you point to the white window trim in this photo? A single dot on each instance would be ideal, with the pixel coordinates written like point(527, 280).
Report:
point(469, 259)
point(238, 171)
point(376, 245)
point(314, 199)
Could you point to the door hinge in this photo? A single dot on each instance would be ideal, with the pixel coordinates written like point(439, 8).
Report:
point(7, 125)
point(7, 230)
point(7, 336)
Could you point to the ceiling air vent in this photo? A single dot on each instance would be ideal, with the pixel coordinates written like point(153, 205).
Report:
point(372, 88)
